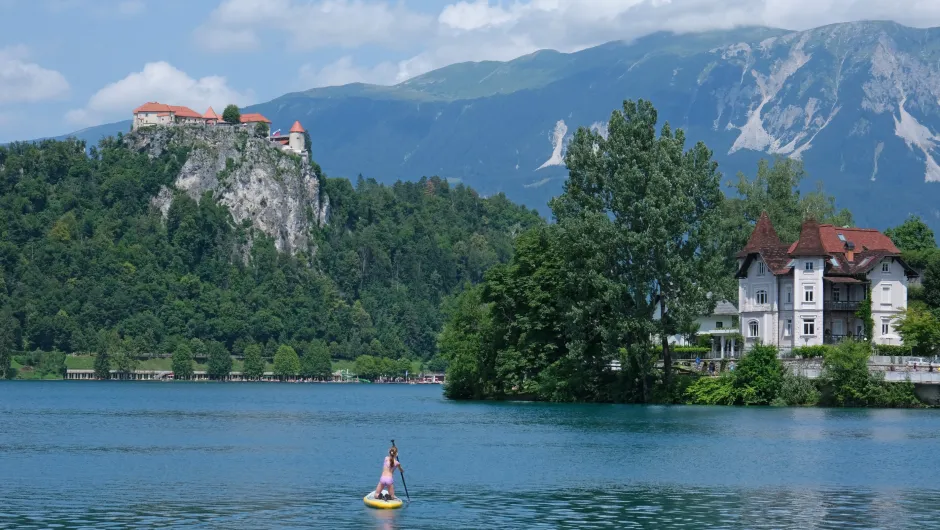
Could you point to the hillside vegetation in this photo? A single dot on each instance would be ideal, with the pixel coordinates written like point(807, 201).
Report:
point(86, 262)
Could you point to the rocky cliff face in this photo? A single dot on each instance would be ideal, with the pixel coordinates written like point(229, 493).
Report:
point(277, 192)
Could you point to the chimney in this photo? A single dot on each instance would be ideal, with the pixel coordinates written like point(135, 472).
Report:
point(849, 251)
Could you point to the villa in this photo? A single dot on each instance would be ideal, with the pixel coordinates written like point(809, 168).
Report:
point(808, 293)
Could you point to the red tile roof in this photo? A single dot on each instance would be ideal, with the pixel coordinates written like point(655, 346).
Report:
point(254, 118)
point(211, 115)
point(296, 127)
point(185, 112)
point(810, 242)
point(153, 106)
point(863, 238)
point(763, 236)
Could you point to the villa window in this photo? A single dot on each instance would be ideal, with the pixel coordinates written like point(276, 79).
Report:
point(836, 294)
point(719, 325)
point(761, 268)
point(809, 327)
point(752, 329)
point(886, 295)
point(788, 328)
point(762, 297)
point(808, 266)
point(808, 296)
point(789, 295)
point(885, 326)
point(886, 267)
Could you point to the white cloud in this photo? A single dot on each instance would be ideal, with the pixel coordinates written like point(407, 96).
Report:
point(343, 71)
point(236, 24)
point(161, 82)
point(474, 30)
point(22, 81)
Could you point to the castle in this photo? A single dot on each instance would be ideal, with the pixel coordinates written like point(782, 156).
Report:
point(154, 113)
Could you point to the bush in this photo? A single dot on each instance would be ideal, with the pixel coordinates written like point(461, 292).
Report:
point(810, 352)
point(797, 390)
point(712, 391)
point(684, 350)
point(759, 376)
point(847, 382)
point(891, 350)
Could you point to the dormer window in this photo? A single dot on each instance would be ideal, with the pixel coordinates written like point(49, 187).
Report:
point(761, 268)
point(885, 267)
point(808, 266)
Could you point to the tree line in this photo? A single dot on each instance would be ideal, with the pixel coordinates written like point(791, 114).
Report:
point(644, 240)
point(88, 265)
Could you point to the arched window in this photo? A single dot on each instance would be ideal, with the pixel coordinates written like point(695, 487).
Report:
point(762, 297)
point(752, 329)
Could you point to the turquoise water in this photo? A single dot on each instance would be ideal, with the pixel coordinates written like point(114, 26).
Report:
point(177, 455)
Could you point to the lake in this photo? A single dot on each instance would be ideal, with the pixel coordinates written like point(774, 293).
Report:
point(204, 455)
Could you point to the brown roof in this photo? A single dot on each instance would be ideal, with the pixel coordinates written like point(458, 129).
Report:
point(810, 241)
point(862, 238)
point(185, 112)
point(296, 128)
point(254, 118)
point(153, 106)
point(211, 115)
point(763, 236)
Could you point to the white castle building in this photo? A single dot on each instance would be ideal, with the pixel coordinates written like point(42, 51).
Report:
point(808, 293)
point(154, 113)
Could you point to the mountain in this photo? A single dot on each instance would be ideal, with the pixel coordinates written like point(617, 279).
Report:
point(859, 103)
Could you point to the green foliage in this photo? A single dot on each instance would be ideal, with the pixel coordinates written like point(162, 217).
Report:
point(182, 361)
point(315, 363)
point(847, 382)
point(757, 380)
point(913, 235)
point(920, 330)
point(863, 313)
point(253, 362)
point(102, 365)
point(231, 114)
point(686, 351)
point(775, 190)
point(810, 352)
point(9, 328)
point(713, 391)
point(82, 252)
point(372, 368)
point(797, 390)
point(220, 360)
point(931, 283)
point(286, 363)
point(758, 377)
point(262, 130)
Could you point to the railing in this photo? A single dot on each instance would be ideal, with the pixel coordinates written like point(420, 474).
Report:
point(838, 339)
point(830, 305)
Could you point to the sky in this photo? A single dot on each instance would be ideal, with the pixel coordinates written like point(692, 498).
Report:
point(70, 64)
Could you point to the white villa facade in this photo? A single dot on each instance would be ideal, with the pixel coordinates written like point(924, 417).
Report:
point(808, 293)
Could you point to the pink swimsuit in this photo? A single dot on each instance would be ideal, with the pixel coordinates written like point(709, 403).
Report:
point(389, 479)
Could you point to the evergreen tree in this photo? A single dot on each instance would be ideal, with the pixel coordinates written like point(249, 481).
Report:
point(286, 363)
point(182, 362)
point(254, 363)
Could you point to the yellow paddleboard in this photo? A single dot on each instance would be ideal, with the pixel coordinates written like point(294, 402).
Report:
point(380, 504)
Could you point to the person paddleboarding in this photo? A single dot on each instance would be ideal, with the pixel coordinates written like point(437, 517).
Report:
point(387, 481)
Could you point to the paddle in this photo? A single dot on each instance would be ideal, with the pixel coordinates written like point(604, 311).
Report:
point(402, 473)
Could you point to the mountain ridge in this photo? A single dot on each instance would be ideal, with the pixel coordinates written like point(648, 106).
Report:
point(858, 102)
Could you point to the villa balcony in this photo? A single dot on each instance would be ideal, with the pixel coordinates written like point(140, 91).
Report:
point(838, 339)
point(830, 305)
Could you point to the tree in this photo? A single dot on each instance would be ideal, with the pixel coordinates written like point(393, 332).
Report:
point(664, 207)
point(286, 363)
point(262, 130)
point(366, 367)
point(758, 378)
point(254, 363)
point(931, 284)
point(913, 235)
point(182, 361)
point(8, 328)
point(102, 365)
point(220, 360)
point(231, 114)
point(316, 362)
point(775, 189)
point(920, 330)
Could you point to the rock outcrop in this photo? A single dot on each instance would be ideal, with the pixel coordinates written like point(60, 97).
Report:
point(278, 192)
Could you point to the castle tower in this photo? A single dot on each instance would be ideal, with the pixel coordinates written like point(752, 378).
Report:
point(296, 139)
